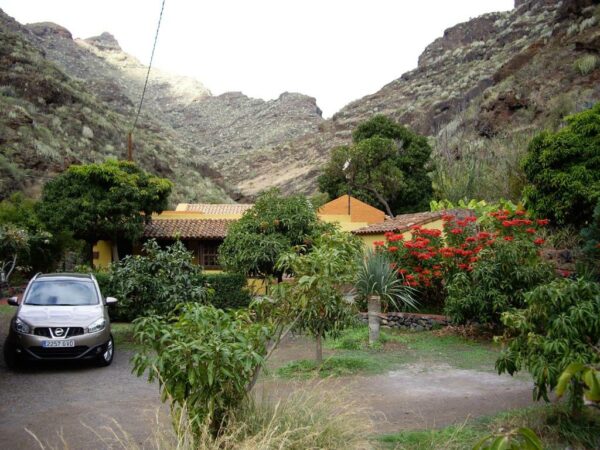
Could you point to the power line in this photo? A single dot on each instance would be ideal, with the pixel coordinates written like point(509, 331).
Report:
point(137, 116)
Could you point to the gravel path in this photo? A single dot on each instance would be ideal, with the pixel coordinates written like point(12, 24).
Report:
point(65, 400)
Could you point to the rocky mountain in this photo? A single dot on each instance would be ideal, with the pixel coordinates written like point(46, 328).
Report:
point(485, 86)
point(222, 130)
point(479, 91)
point(50, 119)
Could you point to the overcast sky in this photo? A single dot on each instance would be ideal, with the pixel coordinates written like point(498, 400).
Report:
point(334, 50)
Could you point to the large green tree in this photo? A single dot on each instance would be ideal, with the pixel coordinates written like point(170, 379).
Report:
point(563, 170)
point(110, 200)
point(270, 228)
point(386, 166)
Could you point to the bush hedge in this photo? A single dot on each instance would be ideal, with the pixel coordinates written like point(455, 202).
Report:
point(230, 290)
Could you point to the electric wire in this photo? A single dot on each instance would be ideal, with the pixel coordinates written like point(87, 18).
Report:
point(137, 116)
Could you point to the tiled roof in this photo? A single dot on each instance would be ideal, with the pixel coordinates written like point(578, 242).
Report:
point(403, 222)
point(400, 223)
point(218, 208)
point(187, 228)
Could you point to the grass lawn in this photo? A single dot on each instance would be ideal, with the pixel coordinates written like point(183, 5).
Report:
point(549, 422)
point(351, 354)
point(123, 335)
point(7, 311)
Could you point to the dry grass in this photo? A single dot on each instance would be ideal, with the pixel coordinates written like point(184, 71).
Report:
point(307, 419)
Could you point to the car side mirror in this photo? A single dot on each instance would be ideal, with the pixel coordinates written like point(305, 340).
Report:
point(13, 301)
point(111, 300)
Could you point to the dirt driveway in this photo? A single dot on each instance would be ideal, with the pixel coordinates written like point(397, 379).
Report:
point(67, 399)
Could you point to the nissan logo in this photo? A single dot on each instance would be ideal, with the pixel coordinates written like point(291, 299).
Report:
point(59, 331)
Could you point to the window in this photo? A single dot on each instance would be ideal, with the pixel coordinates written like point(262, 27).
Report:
point(62, 293)
point(208, 254)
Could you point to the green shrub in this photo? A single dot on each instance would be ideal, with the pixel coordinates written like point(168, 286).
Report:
point(563, 170)
point(230, 290)
point(204, 360)
point(586, 64)
point(591, 244)
point(497, 283)
point(559, 326)
point(155, 282)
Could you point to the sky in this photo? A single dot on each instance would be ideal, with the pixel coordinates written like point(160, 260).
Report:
point(334, 50)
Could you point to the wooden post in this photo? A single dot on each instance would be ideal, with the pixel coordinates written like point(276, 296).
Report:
point(129, 147)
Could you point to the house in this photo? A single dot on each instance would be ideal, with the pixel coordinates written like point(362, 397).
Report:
point(350, 213)
point(403, 224)
point(201, 227)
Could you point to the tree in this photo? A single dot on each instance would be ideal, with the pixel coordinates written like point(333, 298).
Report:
point(266, 231)
point(203, 358)
point(43, 249)
point(385, 166)
point(13, 241)
point(377, 281)
point(560, 325)
point(563, 170)
point(315, 292)
point(110, 200)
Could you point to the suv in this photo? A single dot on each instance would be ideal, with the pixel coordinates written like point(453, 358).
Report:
point(62, 316)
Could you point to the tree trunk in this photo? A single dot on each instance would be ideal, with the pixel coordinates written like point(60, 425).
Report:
point(115, 252)
point(319, 350)
point(373, 313)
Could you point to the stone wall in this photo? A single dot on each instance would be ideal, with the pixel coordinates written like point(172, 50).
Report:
point(409, 321)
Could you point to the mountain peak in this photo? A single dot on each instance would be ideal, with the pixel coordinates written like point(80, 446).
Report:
point(104, 41)
point(49, 29)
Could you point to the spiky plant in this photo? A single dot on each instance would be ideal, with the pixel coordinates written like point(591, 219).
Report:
point(378, 282)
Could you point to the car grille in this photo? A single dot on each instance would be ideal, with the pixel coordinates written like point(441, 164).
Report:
point(67, 352)
point(70, 332)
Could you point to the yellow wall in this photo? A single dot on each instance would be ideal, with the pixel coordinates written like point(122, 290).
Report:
point(343, 220)
point(104, 251)
point(369, 239)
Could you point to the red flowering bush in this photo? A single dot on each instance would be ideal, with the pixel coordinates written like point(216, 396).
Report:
point(430, 259)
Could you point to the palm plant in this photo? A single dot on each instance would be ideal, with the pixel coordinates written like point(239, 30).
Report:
point(378, 282)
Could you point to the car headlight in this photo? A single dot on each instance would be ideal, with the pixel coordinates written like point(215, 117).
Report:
point(96, 326)
point(22, 327)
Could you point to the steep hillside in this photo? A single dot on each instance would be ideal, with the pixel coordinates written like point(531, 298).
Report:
point(49, 120)
point(484, 87)
point(223, 130)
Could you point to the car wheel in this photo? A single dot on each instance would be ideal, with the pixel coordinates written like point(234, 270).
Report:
point(106, 357)
point(11, 358)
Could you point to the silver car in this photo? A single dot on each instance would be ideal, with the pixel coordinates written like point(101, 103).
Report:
point(62, 316)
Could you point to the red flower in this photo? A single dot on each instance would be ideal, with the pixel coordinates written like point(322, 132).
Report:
point(463, 266)
point(456, 231)
point(388, 234)
point(520, 212)
point(508, 223)
point(470, 239)
point(437, 274)
point(402, 271)
point(508, 238)
point(543, 222)
point(539, 241)
point(530, 230)
point(378, 243)
point(392, 249)
point(473, 259)
point(447, 217)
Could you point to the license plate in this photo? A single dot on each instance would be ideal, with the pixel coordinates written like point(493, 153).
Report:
point(59, 344)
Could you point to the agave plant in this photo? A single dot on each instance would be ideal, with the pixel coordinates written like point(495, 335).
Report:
point(378, 281)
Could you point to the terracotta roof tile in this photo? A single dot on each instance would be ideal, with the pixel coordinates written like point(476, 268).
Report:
point(218, 208)
point(188, 228)
point(403, 222)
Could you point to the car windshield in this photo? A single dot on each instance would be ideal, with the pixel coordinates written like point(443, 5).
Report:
point(62, 293)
